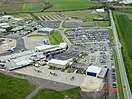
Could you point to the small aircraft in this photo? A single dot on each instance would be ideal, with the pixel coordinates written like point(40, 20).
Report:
point(9, 48)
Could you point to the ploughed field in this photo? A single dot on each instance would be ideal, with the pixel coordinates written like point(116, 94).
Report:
point(17, 1)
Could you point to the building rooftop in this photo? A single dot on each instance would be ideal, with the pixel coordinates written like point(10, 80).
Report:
point(94, 69)
point(4, 24)
point(17, 28)
point(46, 29)
point(44, 47)
point(59, 62)
point(11, 65)
point(16, 55)
point(2, 30)
point(63, 45)
point(102, 73)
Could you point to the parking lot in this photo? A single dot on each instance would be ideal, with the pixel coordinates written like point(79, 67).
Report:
point(100, 53)
point(75, 24)
point(51, 23)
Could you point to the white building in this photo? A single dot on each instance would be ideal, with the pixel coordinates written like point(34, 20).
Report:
point(63, 45)
point(46, 30)
point(45, 47)
point(2, 30)
point(7, 17)
point(100, 10)
point(51, 47)
point(58, 63)
point(4, 24)
point(93, 71)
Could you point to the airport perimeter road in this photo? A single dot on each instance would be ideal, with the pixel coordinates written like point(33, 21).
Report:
point(126, 90)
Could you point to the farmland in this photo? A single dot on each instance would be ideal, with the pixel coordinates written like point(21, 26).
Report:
point(61, 5)
point(10, 87)
point(126, 11)
point(124, 27)
point(25, 7)
point(33, 7)
point(38, 6)
point(71, 94)
point(11, 7)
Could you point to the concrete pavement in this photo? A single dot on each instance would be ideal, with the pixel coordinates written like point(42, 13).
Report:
point(126, 90)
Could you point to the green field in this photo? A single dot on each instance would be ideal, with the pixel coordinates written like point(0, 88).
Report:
point(102, 23)
point(126, 11)
point(57, 5)
point(51, 94)
point(55, 38)
point(26, 7)
point(33, 7)
point(63, 5)
point(124, 27)
point(13, 88)
point(111, 37)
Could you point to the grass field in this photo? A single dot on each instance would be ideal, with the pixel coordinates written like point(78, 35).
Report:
point(111, 37)
point(33, 7)
point(102, 23)
point(58, 5)
point(13, 88)
point(23, 7)
point(51, 94)
point(63, 5)
point(126, 11)
point(124, 27)
point(55, 38)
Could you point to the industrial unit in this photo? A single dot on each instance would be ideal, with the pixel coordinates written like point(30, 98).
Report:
point(96, 71)
point(46, 30)
point(51, 47)
point(58, 63)
point(93, 71)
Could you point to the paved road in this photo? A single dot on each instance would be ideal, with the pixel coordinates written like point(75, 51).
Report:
point(35, 91)
point(127, 92)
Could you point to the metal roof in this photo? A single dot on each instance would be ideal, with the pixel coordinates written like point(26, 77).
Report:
point(94, 69)
point(58, 62)
point(17, 28)
point(44, 47)
point(46, 29)
point(11, 65)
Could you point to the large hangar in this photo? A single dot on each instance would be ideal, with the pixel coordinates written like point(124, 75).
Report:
point(93, 71)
